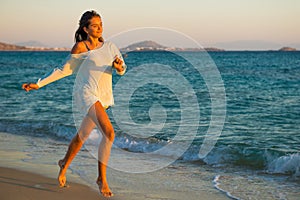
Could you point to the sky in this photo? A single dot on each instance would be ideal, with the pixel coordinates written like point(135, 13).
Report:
point(229, 24)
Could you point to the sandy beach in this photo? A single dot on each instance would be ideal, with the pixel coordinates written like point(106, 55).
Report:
point(24, 177)
point(21, 185)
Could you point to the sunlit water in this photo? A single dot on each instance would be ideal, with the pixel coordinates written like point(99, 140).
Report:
point(256, 157)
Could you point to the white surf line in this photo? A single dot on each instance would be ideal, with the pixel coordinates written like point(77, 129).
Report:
point(216, 185)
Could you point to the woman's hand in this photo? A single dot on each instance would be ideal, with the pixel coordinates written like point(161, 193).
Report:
point(118, 64)
point(30, 86)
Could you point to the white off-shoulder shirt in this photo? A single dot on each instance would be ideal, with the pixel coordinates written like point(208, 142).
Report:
point(93, 71)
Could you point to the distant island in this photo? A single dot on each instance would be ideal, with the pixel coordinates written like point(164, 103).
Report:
point(149, 45)
point(153, 46)
point(287, 49)
point(12, 47)
point(139, 46)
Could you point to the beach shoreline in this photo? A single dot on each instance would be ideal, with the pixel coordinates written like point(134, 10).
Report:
point(34, 179)
point(22, 185)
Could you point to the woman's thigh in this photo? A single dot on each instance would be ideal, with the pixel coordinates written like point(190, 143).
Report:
point(86, 127)
point(100, 117)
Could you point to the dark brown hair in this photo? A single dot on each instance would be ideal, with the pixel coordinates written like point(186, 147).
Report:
point(84, 21)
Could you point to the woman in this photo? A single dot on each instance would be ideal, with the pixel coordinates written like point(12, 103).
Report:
point(92, 60)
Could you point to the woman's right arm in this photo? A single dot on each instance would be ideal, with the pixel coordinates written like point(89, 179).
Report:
point(70, 66)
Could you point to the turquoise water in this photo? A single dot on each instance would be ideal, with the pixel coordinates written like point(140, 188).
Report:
point(261, 131)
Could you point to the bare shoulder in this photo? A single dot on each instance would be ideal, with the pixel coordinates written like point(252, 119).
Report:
point(79, 47)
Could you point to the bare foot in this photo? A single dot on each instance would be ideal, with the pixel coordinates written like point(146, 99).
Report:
point(104, 188)
point(62, 180)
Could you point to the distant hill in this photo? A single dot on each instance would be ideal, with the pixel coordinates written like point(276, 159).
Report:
point(287, 49)
point(153, 46)
point(144, 46)
point(12, 47)
point(31, 43)
point(150, 45)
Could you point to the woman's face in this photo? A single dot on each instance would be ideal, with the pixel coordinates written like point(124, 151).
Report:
point(95, 28)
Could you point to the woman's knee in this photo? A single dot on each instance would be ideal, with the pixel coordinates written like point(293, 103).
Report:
point(77, 139)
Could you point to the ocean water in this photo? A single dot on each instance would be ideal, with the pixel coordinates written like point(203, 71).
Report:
point(256, 156)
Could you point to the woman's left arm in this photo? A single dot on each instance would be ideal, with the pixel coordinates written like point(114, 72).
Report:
point(119, 65)
point(118, 62)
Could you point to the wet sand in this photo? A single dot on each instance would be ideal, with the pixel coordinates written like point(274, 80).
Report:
point(21, 185)
point(24, 176)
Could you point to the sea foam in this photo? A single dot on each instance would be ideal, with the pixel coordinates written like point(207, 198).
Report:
point(288, 164)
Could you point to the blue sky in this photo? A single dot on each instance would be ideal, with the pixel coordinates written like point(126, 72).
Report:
point(244, 24)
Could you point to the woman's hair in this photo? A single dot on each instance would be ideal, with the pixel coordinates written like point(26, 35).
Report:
point(84, 21)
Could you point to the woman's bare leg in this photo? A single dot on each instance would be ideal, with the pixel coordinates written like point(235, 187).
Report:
point(75, 145)
point(102, 120)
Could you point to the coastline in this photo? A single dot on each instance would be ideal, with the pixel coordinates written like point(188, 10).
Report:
point(143, 46)
point(21, 185)
point(35, 177)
